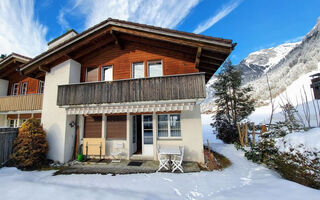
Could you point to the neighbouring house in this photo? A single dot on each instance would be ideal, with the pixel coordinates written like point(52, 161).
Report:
point(124, 84)
point(315, 85)
point(20, 96)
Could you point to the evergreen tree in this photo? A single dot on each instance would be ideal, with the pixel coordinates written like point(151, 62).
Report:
point(234, 102)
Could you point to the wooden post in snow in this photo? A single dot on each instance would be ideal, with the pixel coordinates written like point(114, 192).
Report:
point(240, 134)
point(246, 133)
point(253, 135)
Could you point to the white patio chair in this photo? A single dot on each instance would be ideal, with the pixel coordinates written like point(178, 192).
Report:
point(177, 160)
point(163, 160)
point(117, 152)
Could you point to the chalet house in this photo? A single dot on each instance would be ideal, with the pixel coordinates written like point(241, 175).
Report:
point(20, 96)
point(128, 85)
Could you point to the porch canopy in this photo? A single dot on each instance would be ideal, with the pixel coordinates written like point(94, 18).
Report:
point(137, 108)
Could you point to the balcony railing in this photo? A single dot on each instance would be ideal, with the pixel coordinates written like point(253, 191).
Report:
point(21, 102)
point(173, 87)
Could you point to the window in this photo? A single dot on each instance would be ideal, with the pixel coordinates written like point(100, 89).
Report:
point(155, 68)
point(41, 87)
point(23, 88)
point(138, 70)
point(92, 74)
point(12, 123)
point(147, 129)
point(14, 90)
point(163, 128)
point(169, 126)
point(107, 74)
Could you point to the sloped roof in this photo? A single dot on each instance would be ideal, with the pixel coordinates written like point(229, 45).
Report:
point(208, 41)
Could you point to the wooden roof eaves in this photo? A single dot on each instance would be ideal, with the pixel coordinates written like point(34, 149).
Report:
point(115, 23)
point(12, 58)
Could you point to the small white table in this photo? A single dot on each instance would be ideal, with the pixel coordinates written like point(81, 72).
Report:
point(169, 151)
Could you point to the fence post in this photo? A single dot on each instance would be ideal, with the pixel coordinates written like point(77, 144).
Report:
point(253, 134)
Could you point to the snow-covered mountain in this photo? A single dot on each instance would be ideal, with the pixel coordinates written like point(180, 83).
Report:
point(260, 62)
point(284, 64)
point(303, 58)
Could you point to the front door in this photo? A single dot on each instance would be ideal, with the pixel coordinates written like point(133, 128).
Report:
point(136, 135)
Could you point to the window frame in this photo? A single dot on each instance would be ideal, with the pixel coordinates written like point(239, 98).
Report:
point(132, 70)
point(169, 127)
point(147, 129)
point(15, 123)
point(22, 92)
point(40, 87)
point(102, 72)
point(148, 67)
point(13, 89)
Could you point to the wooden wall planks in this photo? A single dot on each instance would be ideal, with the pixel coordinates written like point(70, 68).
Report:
point(177, 87)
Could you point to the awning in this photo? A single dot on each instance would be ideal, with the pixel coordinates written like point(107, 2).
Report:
point(160, 107)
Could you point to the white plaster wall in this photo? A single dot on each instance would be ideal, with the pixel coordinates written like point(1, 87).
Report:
point(3, 119)
point(3, 87)
point(54, 119)
point(191, 132)
point(61, 40)
point(110, 144)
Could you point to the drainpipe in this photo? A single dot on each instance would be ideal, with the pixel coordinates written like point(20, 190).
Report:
point(76, 126)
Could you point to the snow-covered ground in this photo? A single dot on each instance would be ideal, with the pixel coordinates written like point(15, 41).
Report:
point(242, 180)
point(305, 143)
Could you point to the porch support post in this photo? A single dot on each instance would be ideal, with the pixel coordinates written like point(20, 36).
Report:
point(18, 121)
point(154, 130)
point(32, 114)
point(104, 126)
point(81, 128)
point(129, 136)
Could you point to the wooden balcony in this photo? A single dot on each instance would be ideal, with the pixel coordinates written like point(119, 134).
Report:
point(21, 102)
point(173, 87)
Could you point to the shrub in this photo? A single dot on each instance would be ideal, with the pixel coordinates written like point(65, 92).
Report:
point(30, 147)
point(303, 169)
point(298, 168)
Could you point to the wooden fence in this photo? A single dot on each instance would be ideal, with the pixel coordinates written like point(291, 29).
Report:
point(7, 136)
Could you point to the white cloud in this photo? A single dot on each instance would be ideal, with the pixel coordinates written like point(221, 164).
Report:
point(162, 13)
point(20, 32)
point(224, 11)
point(62, 21)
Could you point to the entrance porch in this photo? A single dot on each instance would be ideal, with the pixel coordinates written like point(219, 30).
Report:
point(136, 135)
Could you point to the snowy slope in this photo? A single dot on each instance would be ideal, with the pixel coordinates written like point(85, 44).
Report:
point(304, 143)
point(293, 94)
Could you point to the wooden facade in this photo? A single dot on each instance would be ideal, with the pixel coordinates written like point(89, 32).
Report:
point(121, 60)
point(174, 87)
point(21, 103)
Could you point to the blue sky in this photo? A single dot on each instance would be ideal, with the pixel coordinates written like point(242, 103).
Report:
point(253, 24)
